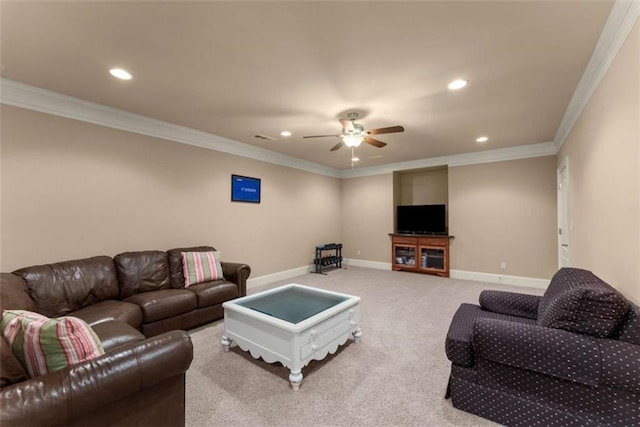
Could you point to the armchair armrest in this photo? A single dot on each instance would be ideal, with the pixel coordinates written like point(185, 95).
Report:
point(62, 396)
point(554, 352)
point(237, 273)
point(620, 364)
point(511, 303)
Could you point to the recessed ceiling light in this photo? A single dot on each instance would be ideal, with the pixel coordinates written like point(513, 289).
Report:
point(482, 139)
point(355, 159)
point(457, 84)
point(120, 73)
point(285, 133)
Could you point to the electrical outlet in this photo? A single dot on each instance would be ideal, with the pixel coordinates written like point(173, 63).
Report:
point(358, 253)
point(503, 265)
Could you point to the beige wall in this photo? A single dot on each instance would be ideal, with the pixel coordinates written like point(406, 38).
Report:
point(504, 212)
point(72, 189)
point(367, 217)
point(603, 149)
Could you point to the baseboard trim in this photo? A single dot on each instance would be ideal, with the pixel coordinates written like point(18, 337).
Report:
point(378, 265)
point(530, 282)
point(280, 275)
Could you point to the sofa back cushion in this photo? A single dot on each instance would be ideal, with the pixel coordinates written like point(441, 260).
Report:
point(60, 288)
point(578, 301)
point(142, 272)
point(175, 263)
point(14, 293)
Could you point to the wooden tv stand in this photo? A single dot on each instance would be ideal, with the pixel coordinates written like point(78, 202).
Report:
point(418, 253)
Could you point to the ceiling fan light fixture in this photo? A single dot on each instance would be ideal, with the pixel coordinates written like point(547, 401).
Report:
point(352, 140)
point(285, 133)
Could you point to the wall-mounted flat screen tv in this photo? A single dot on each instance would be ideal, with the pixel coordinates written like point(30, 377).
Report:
point(421, 219)
point(245, 189)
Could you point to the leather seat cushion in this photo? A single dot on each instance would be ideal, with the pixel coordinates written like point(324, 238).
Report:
point(115, 334)
point(215, 292)
point(110, 310)
point(164, 303)
point(459, 342)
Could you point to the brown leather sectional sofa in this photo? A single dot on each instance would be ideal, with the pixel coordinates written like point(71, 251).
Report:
point(137, 304)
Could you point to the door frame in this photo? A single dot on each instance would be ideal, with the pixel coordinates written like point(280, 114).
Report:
point(564, 217)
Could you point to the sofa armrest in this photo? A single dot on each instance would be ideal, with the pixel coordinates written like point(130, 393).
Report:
point(62, 396)
point(511, 303)
point(237, 273)
point(554, 352)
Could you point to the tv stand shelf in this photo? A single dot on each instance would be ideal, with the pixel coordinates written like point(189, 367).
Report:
point(420, 253)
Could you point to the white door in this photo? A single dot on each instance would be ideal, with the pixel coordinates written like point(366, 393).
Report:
point(564, 248)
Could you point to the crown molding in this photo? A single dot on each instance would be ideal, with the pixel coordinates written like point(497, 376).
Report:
point(488, 156)
point(620, 22)
point(24, 96)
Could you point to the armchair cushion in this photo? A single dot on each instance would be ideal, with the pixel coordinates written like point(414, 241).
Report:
point(578, 301)
point(511, 303)
point(536, 348)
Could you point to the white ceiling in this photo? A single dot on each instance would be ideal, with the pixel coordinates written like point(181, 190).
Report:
point(236, 69)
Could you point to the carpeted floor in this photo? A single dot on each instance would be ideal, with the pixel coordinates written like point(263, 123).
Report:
point(396, 376)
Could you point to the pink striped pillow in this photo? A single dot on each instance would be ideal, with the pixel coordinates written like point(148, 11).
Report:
point(45, 345)
point(201, 267)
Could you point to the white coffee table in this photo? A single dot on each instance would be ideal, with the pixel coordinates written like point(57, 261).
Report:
point(292, 324)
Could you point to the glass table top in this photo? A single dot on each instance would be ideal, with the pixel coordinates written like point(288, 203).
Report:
point(293, 304)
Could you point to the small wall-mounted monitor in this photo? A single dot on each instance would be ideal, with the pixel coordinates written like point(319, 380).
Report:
point(245, 189)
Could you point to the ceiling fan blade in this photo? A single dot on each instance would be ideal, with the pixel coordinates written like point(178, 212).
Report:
point(347, 124)
point(392, 129)
point(322, 136)
point(374, 142)
point(337, 146)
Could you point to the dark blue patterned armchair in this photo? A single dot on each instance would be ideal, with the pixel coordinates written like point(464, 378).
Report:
point(568, 358)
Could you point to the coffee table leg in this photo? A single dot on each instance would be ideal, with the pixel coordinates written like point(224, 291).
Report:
point(226, 342)
point(357, 334)
point(296, 378)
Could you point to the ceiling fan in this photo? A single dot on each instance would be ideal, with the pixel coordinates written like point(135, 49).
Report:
point(353, 134)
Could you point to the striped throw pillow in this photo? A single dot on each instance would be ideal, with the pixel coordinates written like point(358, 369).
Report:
point(45, 345)
point(201, 267)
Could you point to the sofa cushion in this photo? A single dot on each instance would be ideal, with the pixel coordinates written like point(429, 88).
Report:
point(60, 288)
point(459, 342)
point(175, 263)
point(215, 292)
point(199, 267)
point(142, 271)
point(46, 345)
point(11, 371)
point(116, 334)
point(165, 303)
point(578, 301)
point(110, 310)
